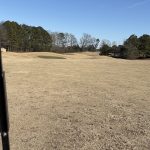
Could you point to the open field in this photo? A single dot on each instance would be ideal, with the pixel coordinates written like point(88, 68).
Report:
point(77, 102)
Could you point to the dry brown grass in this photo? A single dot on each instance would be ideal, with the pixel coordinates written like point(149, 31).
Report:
point(83, 102)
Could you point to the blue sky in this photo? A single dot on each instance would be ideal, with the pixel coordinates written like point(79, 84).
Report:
point(114, 20)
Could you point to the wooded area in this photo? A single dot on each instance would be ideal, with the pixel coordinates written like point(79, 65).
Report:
point(132, 48)
point(23, 38)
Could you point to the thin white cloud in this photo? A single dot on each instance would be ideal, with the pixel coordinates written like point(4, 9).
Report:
point(139, 3)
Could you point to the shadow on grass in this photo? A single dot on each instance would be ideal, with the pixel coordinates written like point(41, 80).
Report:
point(51, 57)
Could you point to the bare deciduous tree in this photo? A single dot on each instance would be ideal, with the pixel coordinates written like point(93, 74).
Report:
point(63, 40)
point(87, 41)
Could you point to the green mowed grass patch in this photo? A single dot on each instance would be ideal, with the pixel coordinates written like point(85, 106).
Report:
point(51, 57)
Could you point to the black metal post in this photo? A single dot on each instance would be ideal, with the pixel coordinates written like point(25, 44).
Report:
point(4, 121)
point(5, 141)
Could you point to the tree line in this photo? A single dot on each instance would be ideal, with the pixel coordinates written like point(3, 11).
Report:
point(133, 48)
point(23, 38)
point(67, 42)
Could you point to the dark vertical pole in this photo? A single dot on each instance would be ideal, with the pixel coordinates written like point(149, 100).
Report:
point(5, 141)
point(4, 121)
